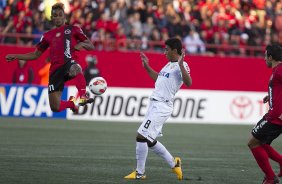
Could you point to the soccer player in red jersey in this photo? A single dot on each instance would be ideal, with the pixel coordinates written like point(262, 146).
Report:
point(270, 126)
point(63, 41)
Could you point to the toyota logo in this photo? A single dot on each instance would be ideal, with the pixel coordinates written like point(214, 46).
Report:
point(241, 107)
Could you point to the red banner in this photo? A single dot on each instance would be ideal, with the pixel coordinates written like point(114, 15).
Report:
point(124, 69)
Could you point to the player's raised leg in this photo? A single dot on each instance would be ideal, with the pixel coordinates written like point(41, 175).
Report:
point(75, 72)
point(58, 105)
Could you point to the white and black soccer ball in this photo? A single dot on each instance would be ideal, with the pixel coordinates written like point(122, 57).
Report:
point(98, 85)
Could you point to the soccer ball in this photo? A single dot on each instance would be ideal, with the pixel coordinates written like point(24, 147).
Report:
point(98, 85)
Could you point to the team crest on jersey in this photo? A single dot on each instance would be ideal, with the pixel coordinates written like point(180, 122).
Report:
point(164, 74)
point(58, 34)
point(67, 31)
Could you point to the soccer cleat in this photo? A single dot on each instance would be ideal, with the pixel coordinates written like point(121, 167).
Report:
point(177, 169)
point(75, 108)
point(274, 181)
point(135, 176)
point(85, 99)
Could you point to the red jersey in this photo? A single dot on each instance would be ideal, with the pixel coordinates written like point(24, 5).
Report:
point(59, 48)
point(23, 75)
point(274, 114)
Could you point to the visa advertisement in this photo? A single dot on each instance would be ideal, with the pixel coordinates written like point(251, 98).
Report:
point(27, 101)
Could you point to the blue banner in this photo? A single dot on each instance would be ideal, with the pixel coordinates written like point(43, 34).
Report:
point(27, 101)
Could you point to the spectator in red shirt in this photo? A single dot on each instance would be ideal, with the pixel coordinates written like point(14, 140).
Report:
point(23, 73)
point(63, 41)
point(102, 22)
point(120, 38)
point(112, 25)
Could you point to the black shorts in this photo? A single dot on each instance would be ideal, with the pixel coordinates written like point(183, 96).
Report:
point(266, 132)
point(58, 78)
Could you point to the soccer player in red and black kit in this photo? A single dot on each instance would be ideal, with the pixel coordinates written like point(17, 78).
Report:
point(63, 41)
point(270, 126)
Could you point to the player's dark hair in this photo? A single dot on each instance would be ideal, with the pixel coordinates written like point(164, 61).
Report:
point(174, 43)
point(59, 6)
point(275, 51)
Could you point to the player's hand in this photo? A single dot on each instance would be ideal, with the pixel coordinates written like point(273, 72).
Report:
point(181, 58)
point(266, 99)
point(11, 57)
point(144, 59)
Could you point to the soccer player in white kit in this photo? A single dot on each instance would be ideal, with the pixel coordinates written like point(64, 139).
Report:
point(168, 82)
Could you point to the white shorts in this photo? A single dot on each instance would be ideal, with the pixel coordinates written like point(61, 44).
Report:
point(158, 112)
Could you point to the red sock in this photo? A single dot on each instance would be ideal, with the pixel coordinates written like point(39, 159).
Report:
point(261, 157)
point(65, 104)
point(80, 84)
point(274, 155)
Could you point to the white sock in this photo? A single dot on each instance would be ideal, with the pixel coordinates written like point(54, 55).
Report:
point(160, 150)
point(141, 156)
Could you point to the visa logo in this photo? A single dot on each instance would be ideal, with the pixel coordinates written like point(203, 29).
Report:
point(24, 101)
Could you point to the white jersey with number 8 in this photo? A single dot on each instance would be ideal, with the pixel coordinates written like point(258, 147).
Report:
point(160, 108)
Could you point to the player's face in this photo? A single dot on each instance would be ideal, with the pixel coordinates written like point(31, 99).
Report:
point(58, 17)
point(267, 60)
point(168, 52)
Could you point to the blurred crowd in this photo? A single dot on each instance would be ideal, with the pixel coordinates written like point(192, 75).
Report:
point(233, 27)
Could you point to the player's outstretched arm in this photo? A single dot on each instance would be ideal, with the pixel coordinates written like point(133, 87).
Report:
point(187, 80)
point(28, 56)
point(86, 44)
point(145, 61)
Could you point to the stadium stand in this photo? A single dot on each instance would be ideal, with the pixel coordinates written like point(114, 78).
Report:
point(221, 27)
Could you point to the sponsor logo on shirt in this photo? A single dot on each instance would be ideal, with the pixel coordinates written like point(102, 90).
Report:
point(164, 74)
point(67, 51)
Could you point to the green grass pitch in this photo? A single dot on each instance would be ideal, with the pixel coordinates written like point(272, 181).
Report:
point(41, 151)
